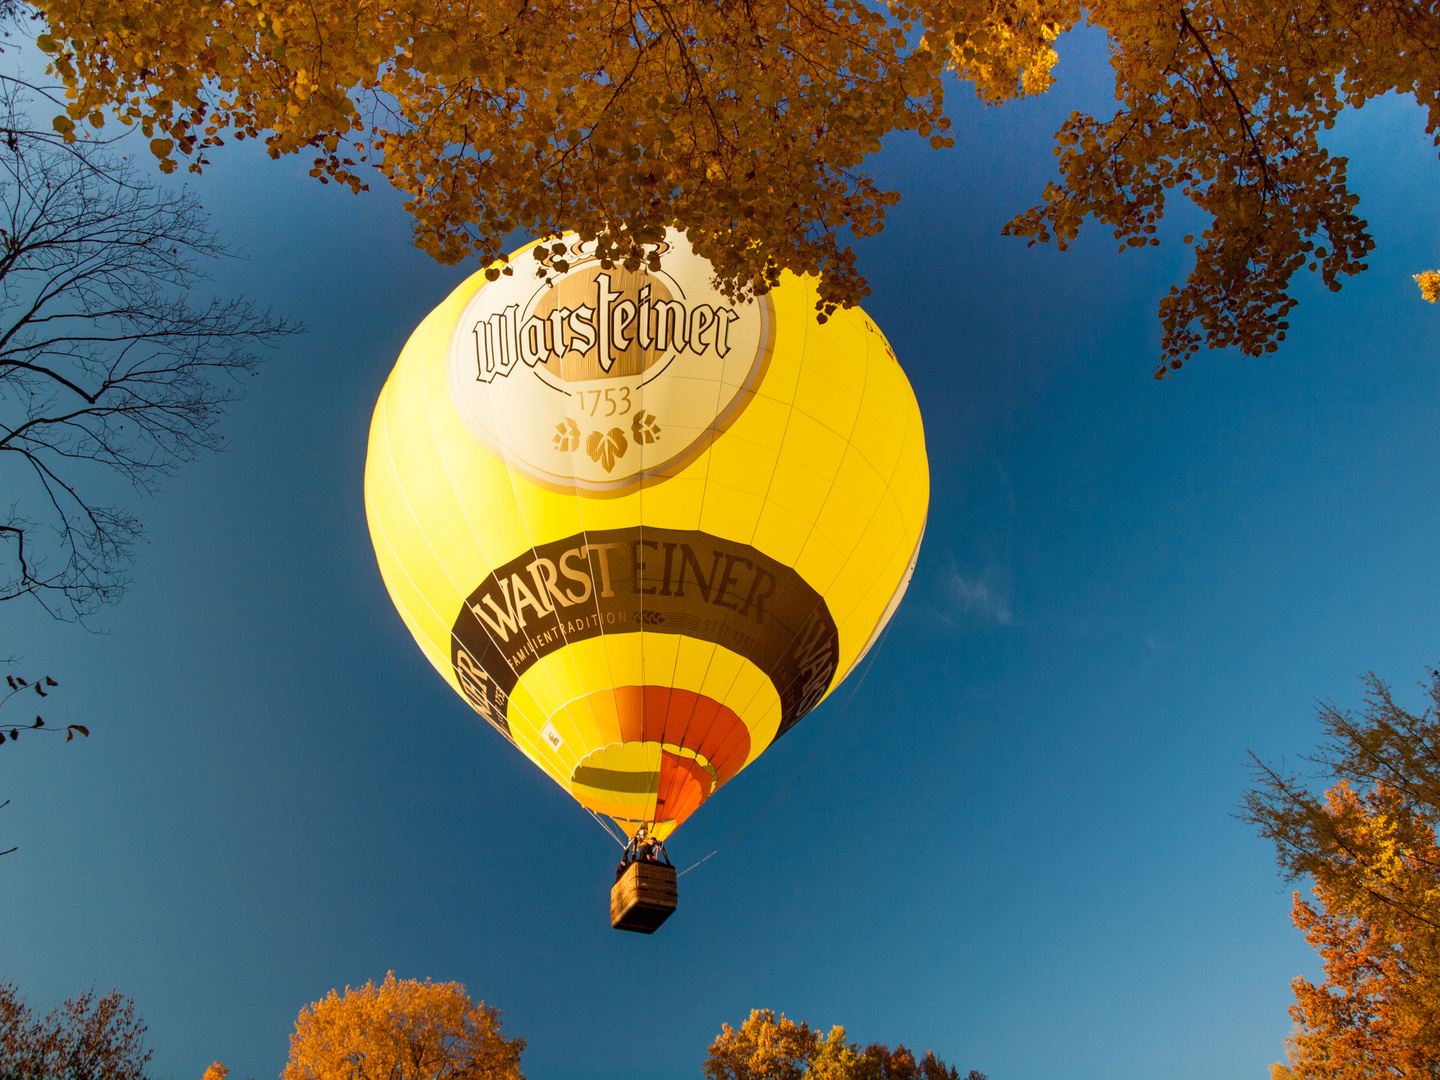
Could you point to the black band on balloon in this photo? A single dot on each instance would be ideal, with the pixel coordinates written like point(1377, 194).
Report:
point(662, 581)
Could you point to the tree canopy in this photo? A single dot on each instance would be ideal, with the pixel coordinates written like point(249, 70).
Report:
point(1368, 845)
point(767, 1047)
point(90, 1037)
point(749, 125)
point(402, 1029)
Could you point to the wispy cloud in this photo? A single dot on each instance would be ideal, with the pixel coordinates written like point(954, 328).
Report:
point(978, 598)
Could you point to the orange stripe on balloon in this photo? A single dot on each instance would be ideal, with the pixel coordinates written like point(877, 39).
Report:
point(668, 714)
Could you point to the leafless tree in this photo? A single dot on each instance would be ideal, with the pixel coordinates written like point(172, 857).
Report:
point(109, 362)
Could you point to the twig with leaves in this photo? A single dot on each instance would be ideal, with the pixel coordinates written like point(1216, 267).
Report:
point(17, 685)
point(38, 687)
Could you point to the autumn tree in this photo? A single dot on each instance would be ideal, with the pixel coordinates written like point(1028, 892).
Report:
point(766, 1047)
point(90, 1037)
point(878, 1062)
point(1368, 847)
point(1429, 282)
point(401, 1030)
point(748, 125)
point(111, 363)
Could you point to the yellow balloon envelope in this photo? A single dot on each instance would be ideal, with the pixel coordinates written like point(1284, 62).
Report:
point(641, 528)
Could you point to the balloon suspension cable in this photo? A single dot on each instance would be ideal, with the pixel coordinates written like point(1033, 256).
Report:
point(608, 830)
point(843, 709)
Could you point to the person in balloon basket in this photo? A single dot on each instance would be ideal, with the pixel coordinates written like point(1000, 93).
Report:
point(648, 850)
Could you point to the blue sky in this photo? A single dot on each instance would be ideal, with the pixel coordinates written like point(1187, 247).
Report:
point(1036, 871)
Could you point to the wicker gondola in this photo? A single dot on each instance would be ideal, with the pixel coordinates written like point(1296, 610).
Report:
point(643, 897)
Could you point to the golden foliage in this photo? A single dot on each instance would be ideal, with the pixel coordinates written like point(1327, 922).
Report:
point(744, 123)
point(1369, 846)
point(765, 1048)
point(216, 1072)
point(770, 1048)
point(1005, 47)
point(1429, 282)
point(747, 125)
point(401, 1030)
point(1225, 104)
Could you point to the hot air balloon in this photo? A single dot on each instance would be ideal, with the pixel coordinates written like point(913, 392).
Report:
point(643, 529)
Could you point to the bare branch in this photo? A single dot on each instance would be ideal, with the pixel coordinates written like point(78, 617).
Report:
point(108, 365)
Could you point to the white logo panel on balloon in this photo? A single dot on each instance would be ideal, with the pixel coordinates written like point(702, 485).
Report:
point(600, 380)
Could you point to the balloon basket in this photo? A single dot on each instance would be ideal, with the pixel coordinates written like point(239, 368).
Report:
point(644, 897)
